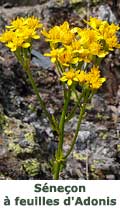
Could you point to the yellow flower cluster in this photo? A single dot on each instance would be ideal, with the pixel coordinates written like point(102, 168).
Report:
point(20, 33)
point(91, 79)
point(70, 46)
point(106, 33)
point(70, 76)
point(76, 46)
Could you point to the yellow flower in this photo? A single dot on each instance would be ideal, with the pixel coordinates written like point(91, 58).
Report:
point(29, 22)
point(105, 32)
point(70, 77)
point(93, 79)
point(16, 24)
point(7, 36)
point(82, 45)
point(54, 54)
point(88, 36)
point(33, 23)
point(16, 43)
point(108, 34)
point(76, 46)
point(66, 35)
point(28, 34)
point(53, 35)
point(66, 57)
point(60, 33)
point(81, 77)
point(95, 23)
point(87, 46)
point(20, 32)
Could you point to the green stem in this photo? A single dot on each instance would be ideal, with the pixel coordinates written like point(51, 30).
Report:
point(76, 94)
point(98, 61)
point(60, 72)
point(19, 57)
point(42, 104)
point(59, 154)
point(75, 107)
point(82, 111)
point(62, 121)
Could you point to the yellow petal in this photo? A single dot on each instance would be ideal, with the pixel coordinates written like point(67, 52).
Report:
point(9, 26)
point(47, 54)
point(63, 79)
point(44, 32)
point(13, 49)
point(103, 79)
point(26, 45)
point(118, 46)
point(69, 82)
point(53, 60)
point(102, 54)
point(76, 30)
point(36, 36)
point(75, 79)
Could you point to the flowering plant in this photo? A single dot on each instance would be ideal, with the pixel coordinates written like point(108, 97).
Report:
point(77, 53)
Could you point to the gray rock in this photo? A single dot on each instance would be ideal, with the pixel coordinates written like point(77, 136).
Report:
point(3, 152)
point(83, 136)
point(82, 139)
point(24, 143)
point(105, 13)
point(41, 61)
point(98, 104)
point(110, 177)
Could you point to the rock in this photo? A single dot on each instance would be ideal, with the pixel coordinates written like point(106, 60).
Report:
point(21, 146)
point(105, 13)
point(72, 124)
point(16, 133)
point(73, 169)
point(82, 139)
point(31, 118)
point(24, 143)
point(41, 61)
point(3, 152)
point(3, 21)
point(20, 3)
point(98, 103)
point(110, 177)
point(7, 5)
point(31, 167)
